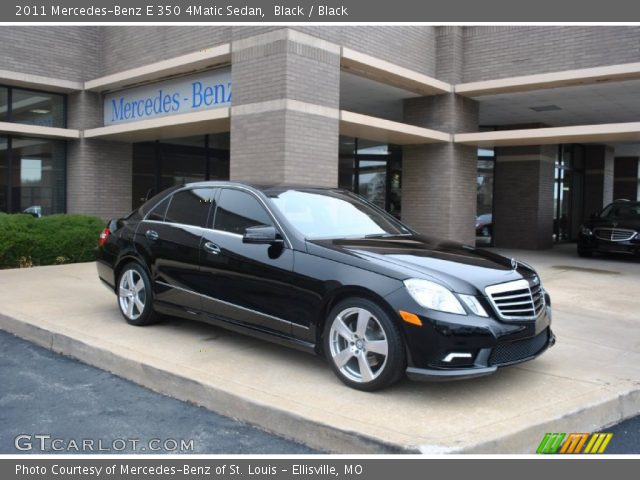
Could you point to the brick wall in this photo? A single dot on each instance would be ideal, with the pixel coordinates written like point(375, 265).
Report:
point(523, 197)
point(69, 52)
point(439, 181)
point(505, 51)
point(99, 178)
point(124, 47)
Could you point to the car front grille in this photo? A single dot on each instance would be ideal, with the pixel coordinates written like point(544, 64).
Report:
point(614, 234)
point(518, 300)
point(506, 353)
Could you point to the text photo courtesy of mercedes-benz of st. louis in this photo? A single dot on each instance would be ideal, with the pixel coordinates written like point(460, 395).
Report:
point(325, 271)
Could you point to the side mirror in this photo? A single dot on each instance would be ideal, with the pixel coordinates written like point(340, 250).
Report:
point(261, 235)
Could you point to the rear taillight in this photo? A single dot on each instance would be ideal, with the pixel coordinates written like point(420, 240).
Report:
point(104, 235)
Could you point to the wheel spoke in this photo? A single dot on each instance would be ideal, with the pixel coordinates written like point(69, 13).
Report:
point(378, 346)
point(363, 321)
point(342, 330)
point(365, 370)
point(342, 358)
point(139, 304)
point(130, 282)
point(139, 285)
point(130, 308)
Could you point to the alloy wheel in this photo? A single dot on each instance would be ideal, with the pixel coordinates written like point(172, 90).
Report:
point(132, 294)
point(358, 345)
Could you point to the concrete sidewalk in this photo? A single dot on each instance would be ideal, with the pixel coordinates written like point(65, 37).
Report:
point(589, 380)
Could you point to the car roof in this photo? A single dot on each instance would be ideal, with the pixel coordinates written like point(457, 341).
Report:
point(265, 188)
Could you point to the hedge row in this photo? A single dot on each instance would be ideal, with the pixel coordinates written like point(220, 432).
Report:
point(26, 241)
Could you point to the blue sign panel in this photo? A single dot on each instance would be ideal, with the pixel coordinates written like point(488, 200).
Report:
point(192, 93)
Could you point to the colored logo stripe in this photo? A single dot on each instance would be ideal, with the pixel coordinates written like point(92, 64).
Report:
point(598, 442)
point(550, 443)
point(574, 443)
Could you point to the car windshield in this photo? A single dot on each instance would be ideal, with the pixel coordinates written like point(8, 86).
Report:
point(333, 214)
point(622, 211)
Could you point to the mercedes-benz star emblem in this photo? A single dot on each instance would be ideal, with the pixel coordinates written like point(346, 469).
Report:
point(514, 264)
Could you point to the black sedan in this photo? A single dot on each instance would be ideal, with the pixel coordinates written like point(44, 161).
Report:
point(327, 272)
point(614, 230)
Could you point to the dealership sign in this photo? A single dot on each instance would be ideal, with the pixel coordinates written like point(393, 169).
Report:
point(200, 91)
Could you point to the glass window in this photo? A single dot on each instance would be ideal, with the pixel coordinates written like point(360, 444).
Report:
point(37, 108)
point(37, 175)
point(331, 214)
point(190, 207)
point(4, 174)
point(238, 211)
point(158, 212)
point(4, 107)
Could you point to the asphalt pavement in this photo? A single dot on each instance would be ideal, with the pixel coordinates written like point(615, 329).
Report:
point(52, 401)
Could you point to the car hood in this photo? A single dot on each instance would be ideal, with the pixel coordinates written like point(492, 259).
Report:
point(461, 268)
point(631, 224)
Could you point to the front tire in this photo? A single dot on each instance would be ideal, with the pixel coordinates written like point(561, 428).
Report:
point(135, 297)
point(363, 345)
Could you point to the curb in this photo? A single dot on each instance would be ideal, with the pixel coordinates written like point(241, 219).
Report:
point(320, 436)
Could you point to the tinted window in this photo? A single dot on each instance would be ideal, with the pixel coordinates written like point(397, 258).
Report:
point(332, 214)
point(622, 211)
point(239, 210)
point(190, 207)
point(159, 210)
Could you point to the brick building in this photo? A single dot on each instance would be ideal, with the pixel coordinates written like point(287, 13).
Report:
point(529, 128)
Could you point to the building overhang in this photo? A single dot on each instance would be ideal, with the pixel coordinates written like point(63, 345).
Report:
point(378, 129)
point(203, 59)
point(610, 132)
point(38, 82)
point(391, 74)
point(566, 78)
point(183, 125)
point(25, 130)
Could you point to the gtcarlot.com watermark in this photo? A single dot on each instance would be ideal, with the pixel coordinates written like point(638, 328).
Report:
point(42, 442)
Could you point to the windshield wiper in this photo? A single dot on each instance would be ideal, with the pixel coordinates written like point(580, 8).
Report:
point(384, 235)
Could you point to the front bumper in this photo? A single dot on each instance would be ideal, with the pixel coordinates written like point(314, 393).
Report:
point(481, 345)
point(590, 243)
point(427, 374)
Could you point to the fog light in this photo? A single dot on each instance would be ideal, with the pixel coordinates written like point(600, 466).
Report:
point(457, 357)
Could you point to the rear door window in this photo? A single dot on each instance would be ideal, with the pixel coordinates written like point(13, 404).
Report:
point(190, 207)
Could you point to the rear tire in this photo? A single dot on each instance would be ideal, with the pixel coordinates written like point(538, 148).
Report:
point(585, 253)
point(363, 345)
point(135, 297)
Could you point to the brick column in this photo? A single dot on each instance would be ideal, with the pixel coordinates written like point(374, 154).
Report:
point(523, 197)
point(439, 180)
point(598, 178)
point(626, 173)
point(284, 121)
point(98, 172)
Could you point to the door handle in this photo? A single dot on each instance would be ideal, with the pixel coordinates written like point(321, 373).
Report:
point(151, 235)
point(212, 248)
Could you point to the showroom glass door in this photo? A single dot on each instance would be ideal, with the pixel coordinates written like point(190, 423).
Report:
point(568, 192)
point(4, 174)
point(372, 170)
point(162, 164)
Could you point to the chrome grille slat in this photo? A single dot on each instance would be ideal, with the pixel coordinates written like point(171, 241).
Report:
point(517, 300)
point(614, 234)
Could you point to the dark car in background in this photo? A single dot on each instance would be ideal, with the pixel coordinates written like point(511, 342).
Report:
point(484, 225)
point(327, 272)
point(614, 230)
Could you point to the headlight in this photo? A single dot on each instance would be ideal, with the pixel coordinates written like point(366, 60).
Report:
point(434, 296)
point(474, 305)
point(585, 231)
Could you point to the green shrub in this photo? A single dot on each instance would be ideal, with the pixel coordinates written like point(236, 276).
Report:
point(52, 240)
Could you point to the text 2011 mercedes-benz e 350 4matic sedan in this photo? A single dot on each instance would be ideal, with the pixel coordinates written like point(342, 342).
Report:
point(325, 271)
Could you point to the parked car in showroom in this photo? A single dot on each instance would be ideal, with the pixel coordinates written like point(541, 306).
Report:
point(325, 271)
point(614, 230)
point(484, 225)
